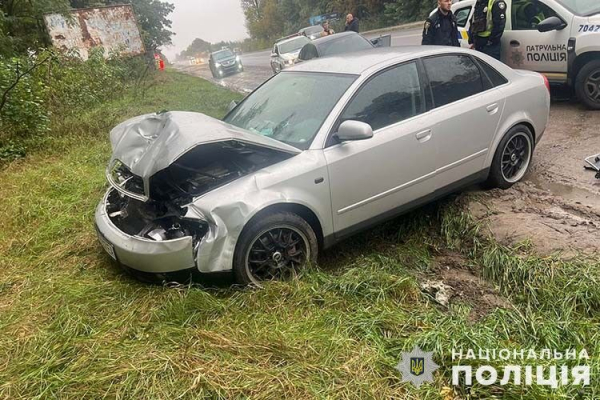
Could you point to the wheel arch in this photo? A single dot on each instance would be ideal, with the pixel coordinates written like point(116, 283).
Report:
point(505, 129)
point(582, 60)
point(300, 210)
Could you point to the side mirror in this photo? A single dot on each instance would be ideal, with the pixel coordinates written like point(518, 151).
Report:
point(382, 41)
point(551, 24)
point(233, 104)
point(354, 130)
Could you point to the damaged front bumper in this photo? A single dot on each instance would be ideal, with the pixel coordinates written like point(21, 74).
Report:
point(142, 254)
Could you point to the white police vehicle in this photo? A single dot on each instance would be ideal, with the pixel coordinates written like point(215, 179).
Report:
point(558, 38)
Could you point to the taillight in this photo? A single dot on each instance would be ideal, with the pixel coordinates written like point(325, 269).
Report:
point(546, 82)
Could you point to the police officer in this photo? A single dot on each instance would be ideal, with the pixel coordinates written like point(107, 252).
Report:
point(440, 28)
point(487, 26)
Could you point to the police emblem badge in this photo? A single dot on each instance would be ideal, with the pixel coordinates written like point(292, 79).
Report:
point(417, 367)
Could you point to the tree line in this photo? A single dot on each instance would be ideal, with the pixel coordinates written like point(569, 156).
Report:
point(22, 27)
point(41, 87)
point(271, 19)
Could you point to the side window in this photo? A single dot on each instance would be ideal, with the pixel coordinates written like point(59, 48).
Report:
point(452, 78)
point(390, 97)
point(496, 77)
point(527, 14)
point(274, 49)
point(462, 16)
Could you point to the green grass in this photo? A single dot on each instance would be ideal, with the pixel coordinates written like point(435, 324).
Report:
point(72, 325)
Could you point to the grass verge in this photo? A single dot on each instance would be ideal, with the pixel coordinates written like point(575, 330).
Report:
point(72, 325)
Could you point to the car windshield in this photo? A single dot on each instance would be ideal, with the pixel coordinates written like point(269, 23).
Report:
point(293, 45)
point(223, 54)
point(582, 7)
point(346, 44)
point(291, 106)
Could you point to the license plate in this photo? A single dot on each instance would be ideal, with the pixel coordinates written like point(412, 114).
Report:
point(110, 249)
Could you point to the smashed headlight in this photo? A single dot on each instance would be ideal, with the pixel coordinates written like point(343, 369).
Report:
point(122, 179)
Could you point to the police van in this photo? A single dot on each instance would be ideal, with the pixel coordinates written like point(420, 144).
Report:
point(558, 38)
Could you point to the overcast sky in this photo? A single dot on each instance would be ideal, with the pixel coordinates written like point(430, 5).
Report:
point(210, 20)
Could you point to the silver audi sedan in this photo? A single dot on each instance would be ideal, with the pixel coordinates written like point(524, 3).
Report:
point(318, 152)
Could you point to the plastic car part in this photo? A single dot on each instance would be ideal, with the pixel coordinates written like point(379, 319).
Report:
point(593, 163)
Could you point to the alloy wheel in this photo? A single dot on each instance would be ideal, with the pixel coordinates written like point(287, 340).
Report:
point(515, 157)
point(592, 86)
point(276, 253)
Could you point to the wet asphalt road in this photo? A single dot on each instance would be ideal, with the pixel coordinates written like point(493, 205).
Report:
point(257, 68)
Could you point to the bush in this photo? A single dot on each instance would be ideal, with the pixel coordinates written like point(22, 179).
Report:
point(23, 97)
point(45, 86)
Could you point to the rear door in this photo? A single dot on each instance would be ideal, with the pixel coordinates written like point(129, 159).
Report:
point(466, 112)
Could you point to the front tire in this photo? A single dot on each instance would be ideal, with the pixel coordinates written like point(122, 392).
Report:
point(273, 248)
point(587, 85)
point(512, 159)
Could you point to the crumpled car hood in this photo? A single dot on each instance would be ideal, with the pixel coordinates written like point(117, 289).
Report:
point(150, 143)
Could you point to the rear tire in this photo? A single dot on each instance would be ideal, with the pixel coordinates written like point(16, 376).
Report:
point(273, 248)
point(512, 158)
point(587, 85)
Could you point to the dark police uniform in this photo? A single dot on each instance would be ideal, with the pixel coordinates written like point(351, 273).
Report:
point(487, 26)
point(441, 30)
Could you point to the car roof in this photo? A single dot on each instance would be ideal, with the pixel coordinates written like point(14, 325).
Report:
point(221, 51)
point(309, 27)
point(290, 39)
point(331, 38)
point(359, 62)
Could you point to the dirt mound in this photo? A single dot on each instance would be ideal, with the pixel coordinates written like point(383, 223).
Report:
point(455, 282)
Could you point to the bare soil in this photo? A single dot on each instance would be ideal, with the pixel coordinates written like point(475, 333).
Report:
point(454, 281)
point(557, 206)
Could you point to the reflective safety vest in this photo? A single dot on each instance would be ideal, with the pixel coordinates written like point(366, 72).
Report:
point(489, 21)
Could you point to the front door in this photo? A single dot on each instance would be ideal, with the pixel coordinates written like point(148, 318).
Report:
point(374, 177)
point(524, 47)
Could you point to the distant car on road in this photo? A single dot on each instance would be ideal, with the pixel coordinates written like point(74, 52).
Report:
point(318, 152)
point(237, 51)
point(285, 53)
point(311, 32)
point(345, 42)
point(224, 62)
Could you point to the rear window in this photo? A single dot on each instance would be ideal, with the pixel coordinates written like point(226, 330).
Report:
point(452, 78)
point(346, 44)
point(495, 77)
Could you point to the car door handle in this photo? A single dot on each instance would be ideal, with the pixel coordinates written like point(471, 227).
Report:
point(492, 108)
point(423, 136)
point(515, 43)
